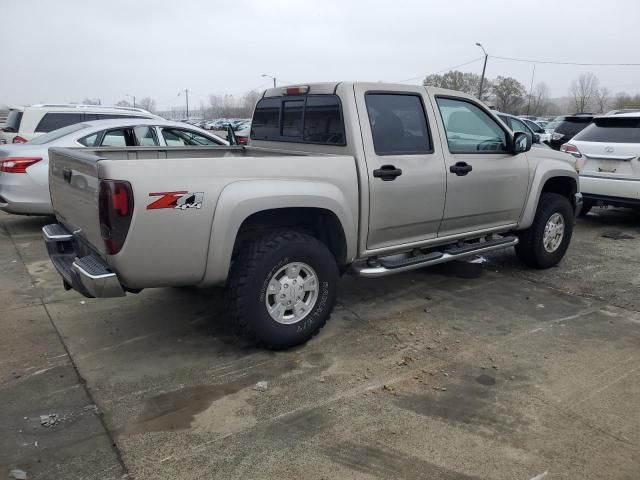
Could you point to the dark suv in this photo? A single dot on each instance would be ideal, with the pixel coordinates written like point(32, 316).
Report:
point(568, 128)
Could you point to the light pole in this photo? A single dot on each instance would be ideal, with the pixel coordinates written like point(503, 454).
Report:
point(486, 55)
point(270, 76)
point(134, 99)
point(186, 94)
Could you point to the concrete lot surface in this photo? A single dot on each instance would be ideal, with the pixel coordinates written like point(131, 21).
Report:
point(464, 371)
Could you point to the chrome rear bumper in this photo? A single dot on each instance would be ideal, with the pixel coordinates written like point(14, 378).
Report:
point(88, 274)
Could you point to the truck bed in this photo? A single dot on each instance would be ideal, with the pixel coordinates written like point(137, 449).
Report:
point(177, 246)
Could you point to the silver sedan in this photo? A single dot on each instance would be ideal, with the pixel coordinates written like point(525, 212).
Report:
point(24, 168)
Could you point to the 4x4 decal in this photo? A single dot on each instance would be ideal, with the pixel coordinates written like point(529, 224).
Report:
point(179, 200)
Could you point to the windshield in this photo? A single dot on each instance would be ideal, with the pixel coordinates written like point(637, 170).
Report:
point(56, 134)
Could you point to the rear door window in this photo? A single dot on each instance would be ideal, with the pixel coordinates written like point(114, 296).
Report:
point(177, 137)
point(145, 136)
point(53, 121)
point(612, 130)
point(398, 124)
point(118, 137)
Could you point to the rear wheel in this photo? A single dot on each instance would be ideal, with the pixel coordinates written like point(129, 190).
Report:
point(282, 288)
point(544, 243)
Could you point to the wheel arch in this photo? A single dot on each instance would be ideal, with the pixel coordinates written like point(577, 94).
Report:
point(249, 207)
point(562, 182)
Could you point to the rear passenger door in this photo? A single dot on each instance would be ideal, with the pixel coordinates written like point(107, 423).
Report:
point(405, 165)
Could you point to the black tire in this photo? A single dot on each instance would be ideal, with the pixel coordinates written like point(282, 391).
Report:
point(530, 249)
point(587, 205)
point(252, 269)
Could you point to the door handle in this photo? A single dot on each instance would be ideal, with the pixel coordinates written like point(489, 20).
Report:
point(387, 173)
point(460, 168)
point(66, 174)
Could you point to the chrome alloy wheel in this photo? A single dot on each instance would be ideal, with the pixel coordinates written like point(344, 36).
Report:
point(553, 233)
point(292, 293)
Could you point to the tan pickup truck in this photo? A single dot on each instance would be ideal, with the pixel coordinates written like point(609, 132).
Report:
point(363, 178)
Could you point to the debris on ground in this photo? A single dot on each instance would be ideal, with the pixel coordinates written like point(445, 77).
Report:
point(405, 361)
point(616, 235)
point(389, 388)
point(50, 420)
point(479, 259)
point(261, 386)
point(17, 474)
point(542, 476)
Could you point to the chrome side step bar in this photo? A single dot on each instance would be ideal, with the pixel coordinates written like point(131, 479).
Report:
point(452, 252)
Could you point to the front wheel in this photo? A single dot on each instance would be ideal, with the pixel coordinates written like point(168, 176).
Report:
point(282, 288)
point(544, 243)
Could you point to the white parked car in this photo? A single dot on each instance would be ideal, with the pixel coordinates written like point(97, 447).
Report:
point(608, 153)
point(24, 168)
point(26, 123)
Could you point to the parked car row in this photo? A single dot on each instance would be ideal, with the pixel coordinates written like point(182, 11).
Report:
point(26, 123)
point(24, 168)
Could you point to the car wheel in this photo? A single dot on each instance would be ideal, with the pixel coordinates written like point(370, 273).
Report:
point(544, 243)
point(282, 288)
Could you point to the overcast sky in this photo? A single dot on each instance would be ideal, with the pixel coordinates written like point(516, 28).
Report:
point(68, 50)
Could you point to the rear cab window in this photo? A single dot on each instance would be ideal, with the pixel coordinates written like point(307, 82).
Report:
point(612, 130)
point(305, 119)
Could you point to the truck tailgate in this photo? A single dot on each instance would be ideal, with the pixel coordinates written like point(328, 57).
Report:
point(73, 185)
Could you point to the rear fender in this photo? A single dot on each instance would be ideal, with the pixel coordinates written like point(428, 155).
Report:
point(241, 199)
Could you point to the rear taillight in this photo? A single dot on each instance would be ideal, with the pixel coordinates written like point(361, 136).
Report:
point(115, 210)
point(572, 149)
point(242, 140)
point(19, 139)
point(17, 164)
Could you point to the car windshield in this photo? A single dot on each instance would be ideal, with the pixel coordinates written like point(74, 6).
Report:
point(56, 134)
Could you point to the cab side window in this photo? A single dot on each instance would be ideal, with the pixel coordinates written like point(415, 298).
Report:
point(398, 124)
point(469, 128)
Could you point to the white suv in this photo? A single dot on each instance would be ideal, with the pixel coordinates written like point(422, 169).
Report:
point(25, 123)
point(608, 153)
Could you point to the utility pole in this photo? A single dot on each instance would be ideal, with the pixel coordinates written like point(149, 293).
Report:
point(531, 88)
point(272, 77)
point(484, 68)
point(186, 94)
point(134, 99)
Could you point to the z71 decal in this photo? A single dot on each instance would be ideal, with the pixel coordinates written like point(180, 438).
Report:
point(179, 200)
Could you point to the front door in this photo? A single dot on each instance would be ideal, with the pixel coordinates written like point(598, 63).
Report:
point(405, 166)
point(486, 185)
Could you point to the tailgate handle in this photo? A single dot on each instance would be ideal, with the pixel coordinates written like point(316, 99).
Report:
point(66, 174)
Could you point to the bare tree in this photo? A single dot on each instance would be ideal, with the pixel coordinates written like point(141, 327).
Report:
point(123, 103)
point(91, 101)
point(602, 98)
point(583, 90)
point(148, 104)
point(539, 99)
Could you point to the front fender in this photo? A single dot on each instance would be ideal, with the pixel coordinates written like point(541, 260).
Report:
point(545, 170)
point(239, 200)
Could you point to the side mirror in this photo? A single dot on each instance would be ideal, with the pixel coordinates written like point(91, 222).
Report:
point(521, 143)
point(231, 136)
